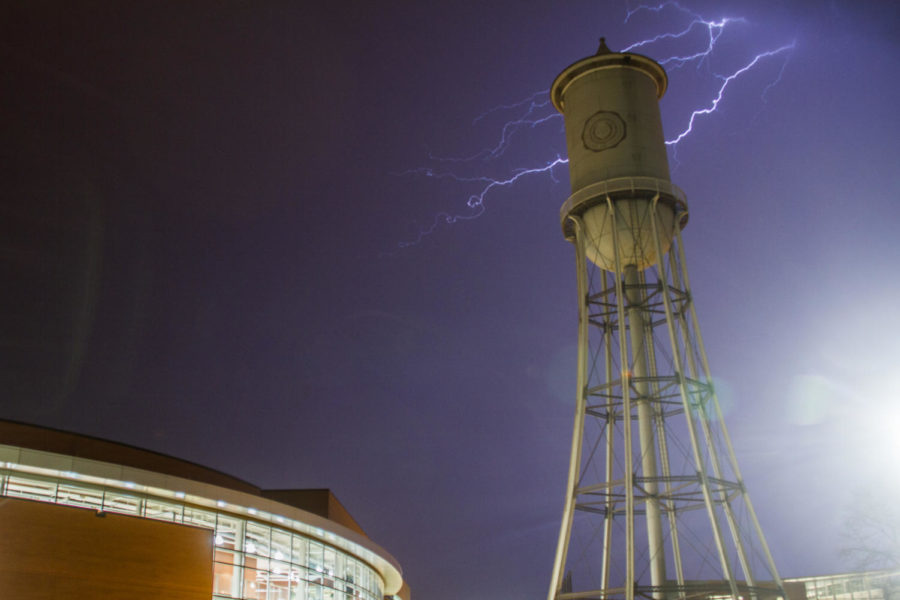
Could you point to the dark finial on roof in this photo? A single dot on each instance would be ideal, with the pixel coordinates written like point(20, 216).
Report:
point(603, 49)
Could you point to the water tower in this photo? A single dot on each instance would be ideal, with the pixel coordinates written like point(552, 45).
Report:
point(655, 504)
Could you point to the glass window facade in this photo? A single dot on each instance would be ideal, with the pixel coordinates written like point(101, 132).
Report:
point(252, 560)
point(850, 586)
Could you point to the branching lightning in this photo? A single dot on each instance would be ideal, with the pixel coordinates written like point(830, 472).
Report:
point(509, 128)
point(532, 99)
point(725, 81)
point(535, 111)
point(476, 201)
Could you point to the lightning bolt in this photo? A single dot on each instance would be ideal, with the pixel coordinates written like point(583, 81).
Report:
point(509, 128)
point(714, 29)
point(535, 110)
point(532, 99)
point(725, 81)
point(476, 201)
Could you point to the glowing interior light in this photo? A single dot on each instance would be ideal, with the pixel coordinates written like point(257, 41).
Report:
point(179, 494)
point(220, 503)
point(252, 511)
point(251, 547)
point(130, 485)
point(219, 540)
point(279, 555)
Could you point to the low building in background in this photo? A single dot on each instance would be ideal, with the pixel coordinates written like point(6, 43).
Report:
point(867, 585)
point(82, 517)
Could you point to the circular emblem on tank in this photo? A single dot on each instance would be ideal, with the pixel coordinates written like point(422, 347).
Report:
point(603, 130)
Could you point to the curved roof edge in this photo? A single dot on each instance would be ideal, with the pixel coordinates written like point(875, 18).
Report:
point(139, 468)
point(59, 441)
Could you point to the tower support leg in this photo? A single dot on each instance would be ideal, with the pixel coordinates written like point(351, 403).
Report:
point(653, 486)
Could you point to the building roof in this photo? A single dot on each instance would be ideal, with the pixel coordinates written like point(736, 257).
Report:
point(321, 502)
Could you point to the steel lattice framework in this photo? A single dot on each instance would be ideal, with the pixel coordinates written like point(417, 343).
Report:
point(655, 505)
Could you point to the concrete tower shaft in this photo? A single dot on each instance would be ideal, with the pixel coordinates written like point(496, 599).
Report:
point(616, 149)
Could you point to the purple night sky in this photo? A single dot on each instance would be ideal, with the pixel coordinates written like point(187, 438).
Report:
point(204, 205)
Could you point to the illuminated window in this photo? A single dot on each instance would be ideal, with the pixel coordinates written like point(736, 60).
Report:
point(252, 560)
point(226, 579)
point(228, 532)
point(33, 489)
point(201, 518)
point(298, 550)
point(84, 497)
point(316, 558)
point(254, 584)
point(281, 545)
point(162, 511)
point(279, 581)
point(121, 503)
point(256, 539)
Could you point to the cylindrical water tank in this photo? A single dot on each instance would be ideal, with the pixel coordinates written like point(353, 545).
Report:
point(610, 103)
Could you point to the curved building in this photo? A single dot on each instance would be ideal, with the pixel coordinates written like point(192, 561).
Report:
point(82, 517)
